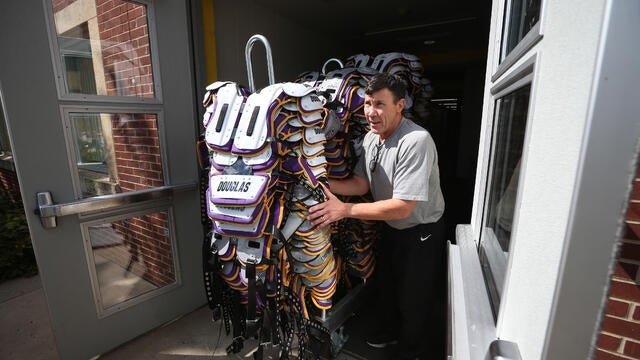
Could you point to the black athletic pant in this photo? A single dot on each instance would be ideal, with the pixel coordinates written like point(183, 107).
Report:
point(411, 274)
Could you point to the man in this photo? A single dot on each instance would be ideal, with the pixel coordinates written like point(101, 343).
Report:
point(399, 166)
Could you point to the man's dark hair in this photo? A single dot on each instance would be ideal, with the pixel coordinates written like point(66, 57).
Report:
point(394, 83)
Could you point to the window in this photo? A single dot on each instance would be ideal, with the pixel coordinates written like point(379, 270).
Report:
point(104, 48)
point(510, 122)
point(520, 31)
point(523, 15)
point(116, 152)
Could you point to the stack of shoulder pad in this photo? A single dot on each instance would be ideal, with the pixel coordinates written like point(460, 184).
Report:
point(270, 155)
point(353, 239)
point(267, 168)
point(407, 66)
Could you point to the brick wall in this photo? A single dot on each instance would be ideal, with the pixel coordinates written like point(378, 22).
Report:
point(620, 334)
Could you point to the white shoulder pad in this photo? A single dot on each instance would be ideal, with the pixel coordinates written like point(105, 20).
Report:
point(381, 61)
point(312, 150)
point(332, 86)
point(290, 105)
point(259, 159)
point(310, 103)
point(297, 90)
point(220, 160)
point(253, 127)
point(416, 66)
point(218, 84)
point(250, 250)
point(207, 98)
point(308, 77)
point(223, 120)
point(317, 161)
point(340, 73)
point(311, 119)
point(314, 135)
point(359, 60)
point(410, 57)
point(207, 114)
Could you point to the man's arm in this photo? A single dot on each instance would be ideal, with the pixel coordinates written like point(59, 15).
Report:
point(355, 185)
point(333, 210)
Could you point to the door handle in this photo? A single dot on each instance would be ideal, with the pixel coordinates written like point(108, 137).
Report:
point(49, 211)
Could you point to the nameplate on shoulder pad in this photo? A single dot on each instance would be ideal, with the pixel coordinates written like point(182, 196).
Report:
point(237, 189)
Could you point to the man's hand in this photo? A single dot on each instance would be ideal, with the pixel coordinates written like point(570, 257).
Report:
point(329, 211)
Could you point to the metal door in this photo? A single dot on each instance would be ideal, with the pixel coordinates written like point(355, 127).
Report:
point(99, 101)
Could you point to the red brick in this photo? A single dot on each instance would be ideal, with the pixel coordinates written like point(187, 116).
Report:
point(621, 327)
point(632, 349)
point(617, 308)
point(626, 271)
point(635, 191)
point(608, 342)
point(624, 291)
point(630, 251)
point(632, 231)
point(636, 313)
point(601, 355)
point(633, 212)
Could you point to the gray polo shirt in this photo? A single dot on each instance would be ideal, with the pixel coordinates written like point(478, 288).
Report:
point(407, 169)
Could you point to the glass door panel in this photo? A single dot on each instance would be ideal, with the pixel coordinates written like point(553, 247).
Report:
point(115, 152)
point(130, 258)
point(104, 47)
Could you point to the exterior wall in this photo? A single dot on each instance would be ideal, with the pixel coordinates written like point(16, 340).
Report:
point(620, 335)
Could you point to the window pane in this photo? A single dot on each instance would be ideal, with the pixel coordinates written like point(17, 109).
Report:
point(104, 45)
point(116, 152)
point(132, 257)
point(507, 145)
point(523, 16)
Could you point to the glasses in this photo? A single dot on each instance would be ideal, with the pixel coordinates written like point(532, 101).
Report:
point(373, 164)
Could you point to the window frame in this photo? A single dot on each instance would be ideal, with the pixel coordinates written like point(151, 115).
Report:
point(492, 259)
point(503, 62)
point(59, 66)
point(67, 110)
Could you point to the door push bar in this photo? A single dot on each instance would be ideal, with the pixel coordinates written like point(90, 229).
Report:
point(247, 55)
point(49, 211)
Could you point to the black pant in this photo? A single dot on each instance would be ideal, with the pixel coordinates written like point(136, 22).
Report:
point(411, 273)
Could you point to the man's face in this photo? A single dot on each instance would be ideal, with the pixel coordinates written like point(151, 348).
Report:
point(381, 113)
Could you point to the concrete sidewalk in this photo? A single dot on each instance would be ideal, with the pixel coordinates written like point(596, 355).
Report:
point(25, 333)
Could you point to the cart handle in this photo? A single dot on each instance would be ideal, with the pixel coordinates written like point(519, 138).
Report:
point(247, 55)
point(324, 67)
